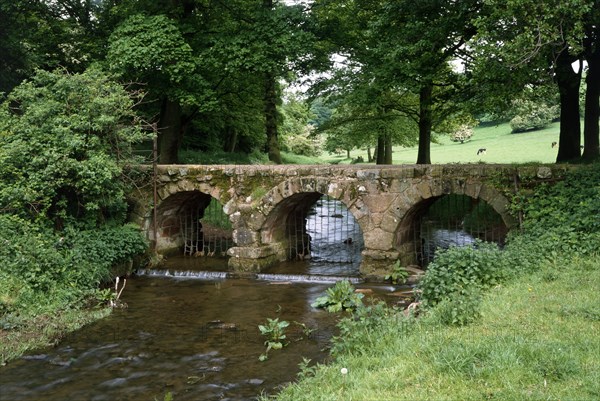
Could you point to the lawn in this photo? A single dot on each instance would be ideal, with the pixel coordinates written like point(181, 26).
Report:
point(501, 147)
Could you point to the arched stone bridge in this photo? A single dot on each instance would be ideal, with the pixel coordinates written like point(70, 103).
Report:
point(384, 200)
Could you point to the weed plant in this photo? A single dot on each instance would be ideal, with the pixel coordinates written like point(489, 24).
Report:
point(46, 277)
point(340, 297)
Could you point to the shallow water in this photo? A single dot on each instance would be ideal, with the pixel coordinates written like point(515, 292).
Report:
point(195, 338)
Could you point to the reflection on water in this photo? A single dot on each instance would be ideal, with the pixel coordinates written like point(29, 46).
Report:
point(198, 339)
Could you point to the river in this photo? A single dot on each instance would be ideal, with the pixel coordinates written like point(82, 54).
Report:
point(192, 330)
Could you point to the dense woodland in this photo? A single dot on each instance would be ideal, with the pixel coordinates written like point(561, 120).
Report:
point(214, 74)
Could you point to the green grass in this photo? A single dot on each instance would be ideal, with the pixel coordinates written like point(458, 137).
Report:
point(42, 330)
point(502, 147)
point(537, 340)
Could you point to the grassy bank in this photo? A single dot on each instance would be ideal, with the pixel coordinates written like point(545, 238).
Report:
point(51, 285)
point(34, 332)
point(501, 146)
point(537, 339)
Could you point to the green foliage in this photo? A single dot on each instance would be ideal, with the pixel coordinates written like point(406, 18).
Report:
point(215, 216)
point(339, 297)
point(152, 49)
point(357, 331)
point(274, 331)
point(563, 218)
point(459, 308)
point(399, 274)
point(459, 273)
point(39, 264)
point(64, 140)
point(296, 133)
point(532, 115)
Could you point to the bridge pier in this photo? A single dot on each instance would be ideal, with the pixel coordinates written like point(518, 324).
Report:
point(256, 258)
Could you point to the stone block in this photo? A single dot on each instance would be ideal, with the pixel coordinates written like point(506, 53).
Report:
point(389, 222)
point(245, 237)
point(378, 239)
point(256, 220)
point(378, 203)
point(367, 174)
point(424, 189)
point(544, 172)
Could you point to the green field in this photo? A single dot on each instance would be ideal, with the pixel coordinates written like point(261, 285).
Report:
point(501, 147)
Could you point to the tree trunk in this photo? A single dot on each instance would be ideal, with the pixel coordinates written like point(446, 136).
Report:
point(231, 140)
point(169, 135)
point(369, 156)
point(591, 129)
point(380, 153)
point(388, 149)
point(271, 118)
point(347, 153)
point(570, 126)
point(425, 122)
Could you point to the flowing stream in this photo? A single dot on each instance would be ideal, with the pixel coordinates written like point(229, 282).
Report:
point(192, 330)
point(198, 339)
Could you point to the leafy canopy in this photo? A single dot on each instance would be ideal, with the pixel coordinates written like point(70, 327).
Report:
point(64, 140)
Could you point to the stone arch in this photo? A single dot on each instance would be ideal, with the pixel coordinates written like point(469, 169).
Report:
point(292, 198)
point(423, 195)
point(171, 214)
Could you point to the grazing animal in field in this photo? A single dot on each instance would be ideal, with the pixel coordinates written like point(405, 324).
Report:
point(554, 144)
point(482, 151)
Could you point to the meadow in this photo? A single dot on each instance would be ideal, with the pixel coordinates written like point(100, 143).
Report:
point(501, 146)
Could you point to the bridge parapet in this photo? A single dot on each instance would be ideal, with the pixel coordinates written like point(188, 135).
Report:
point(384, 200)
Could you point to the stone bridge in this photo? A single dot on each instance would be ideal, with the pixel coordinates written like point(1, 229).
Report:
point(386, 201)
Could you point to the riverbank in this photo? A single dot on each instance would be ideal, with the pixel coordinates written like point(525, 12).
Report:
point(536, 339)
point(21, 335)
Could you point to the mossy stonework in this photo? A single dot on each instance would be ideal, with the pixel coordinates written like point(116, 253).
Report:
point(385, 201)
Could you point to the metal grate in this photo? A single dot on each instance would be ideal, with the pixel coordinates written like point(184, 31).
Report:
point(206, 230)
point(325, 233)
point(456, 220)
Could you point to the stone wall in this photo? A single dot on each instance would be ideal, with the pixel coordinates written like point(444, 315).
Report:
point(385, 201)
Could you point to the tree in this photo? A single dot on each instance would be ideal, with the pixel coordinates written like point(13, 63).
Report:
point(528, 42)
point(65, 141)
point(591, 45)
point(151, 49)
point(404, 48)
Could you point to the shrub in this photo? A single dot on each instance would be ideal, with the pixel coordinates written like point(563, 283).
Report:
point(532, 116)
point(459, 308)
point(36, 262)
point(65, 140)
point(462, 134)
point(459, 270)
